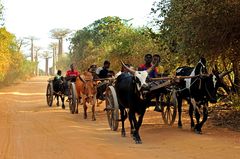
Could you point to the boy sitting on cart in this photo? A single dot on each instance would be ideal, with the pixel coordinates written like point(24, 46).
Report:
point(70, 77)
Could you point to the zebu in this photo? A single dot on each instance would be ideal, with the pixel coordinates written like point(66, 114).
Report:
point(130, 90)
point(59, 90)
point(198, 91)
point(86, 91)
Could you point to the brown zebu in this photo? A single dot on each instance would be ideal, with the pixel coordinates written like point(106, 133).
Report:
point(86, 92)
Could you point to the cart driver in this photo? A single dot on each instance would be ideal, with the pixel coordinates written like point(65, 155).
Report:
point(70, 77)
point(72, 73)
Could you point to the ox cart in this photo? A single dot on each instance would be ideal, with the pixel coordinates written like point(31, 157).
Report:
point(168, 102)
point(51, 94)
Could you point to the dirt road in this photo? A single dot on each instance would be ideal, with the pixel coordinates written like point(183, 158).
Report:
point(29, 129)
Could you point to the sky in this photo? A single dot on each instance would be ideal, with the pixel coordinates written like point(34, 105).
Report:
point(36, 18)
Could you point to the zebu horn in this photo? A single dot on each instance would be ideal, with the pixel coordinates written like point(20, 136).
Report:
point(221, 75)
point(129, 69)
point(152, 68)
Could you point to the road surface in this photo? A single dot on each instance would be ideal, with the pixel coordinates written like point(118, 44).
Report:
point(29, 129)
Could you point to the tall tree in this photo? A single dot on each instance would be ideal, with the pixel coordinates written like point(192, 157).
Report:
point(36, 55)
point(46, 55)
point(110, 38)
point(53, 46)
point(32, 38)
point(201, 28)
point(6, 41)
point(60, 34)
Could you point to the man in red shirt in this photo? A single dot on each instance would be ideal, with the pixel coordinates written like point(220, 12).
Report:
point(70, 77)
point(148, 63)
point(72, 73)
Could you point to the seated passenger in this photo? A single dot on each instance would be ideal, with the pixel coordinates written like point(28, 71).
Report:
point(70, 77)
point(93, 69)
point(58, 81)
point(103, 72)
point(159, 68)
point(148, 63)
point(72, 73)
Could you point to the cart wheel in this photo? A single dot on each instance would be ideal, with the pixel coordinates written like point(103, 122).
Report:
point(72, 98)
point(169, 107)
point(112, 108)
point(49, 94)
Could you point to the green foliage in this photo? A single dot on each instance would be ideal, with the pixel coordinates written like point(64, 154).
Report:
point(110, 38)
point(13, 65)
point(194, 28)
point(236, 101)
point(6, 41)
point(199, 27)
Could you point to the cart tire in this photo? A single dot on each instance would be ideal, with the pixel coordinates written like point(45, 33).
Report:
point(112, 108)
point(169, 107)
point(49, 94)
point(72, 98)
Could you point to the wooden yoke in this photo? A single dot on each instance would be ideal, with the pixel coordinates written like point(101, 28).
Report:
point(171, 80)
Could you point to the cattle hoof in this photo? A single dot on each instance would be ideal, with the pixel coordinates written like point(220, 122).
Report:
point(198, 131)
point(179, 125)
point(123, 134)
point(57, 104)
point(63, 107)
point(94, 119)
point(138, 142)
point(134, 137)
point(85, 117)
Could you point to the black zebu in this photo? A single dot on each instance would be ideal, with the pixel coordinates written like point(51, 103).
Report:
point(198, 91)
point(59, 89)
point(131, 90)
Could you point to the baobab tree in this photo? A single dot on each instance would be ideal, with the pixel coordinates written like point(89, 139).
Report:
point(36, 49)
point(46, 55)
point(32, 38)
point(53, 46)
point(59, 34)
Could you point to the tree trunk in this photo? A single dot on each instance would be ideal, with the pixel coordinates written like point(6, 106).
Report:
point(32, 50)
point(228, 75)
point(54, 61)
point(36, 60)
point(236, 71)
point(60, 47)
point(46, 67)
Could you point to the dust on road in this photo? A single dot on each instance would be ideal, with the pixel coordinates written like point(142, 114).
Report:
point(29, 129)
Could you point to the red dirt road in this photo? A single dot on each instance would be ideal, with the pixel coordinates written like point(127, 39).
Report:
point(29, 129)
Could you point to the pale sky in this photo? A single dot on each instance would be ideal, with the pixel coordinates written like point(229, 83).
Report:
point(36, 18)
